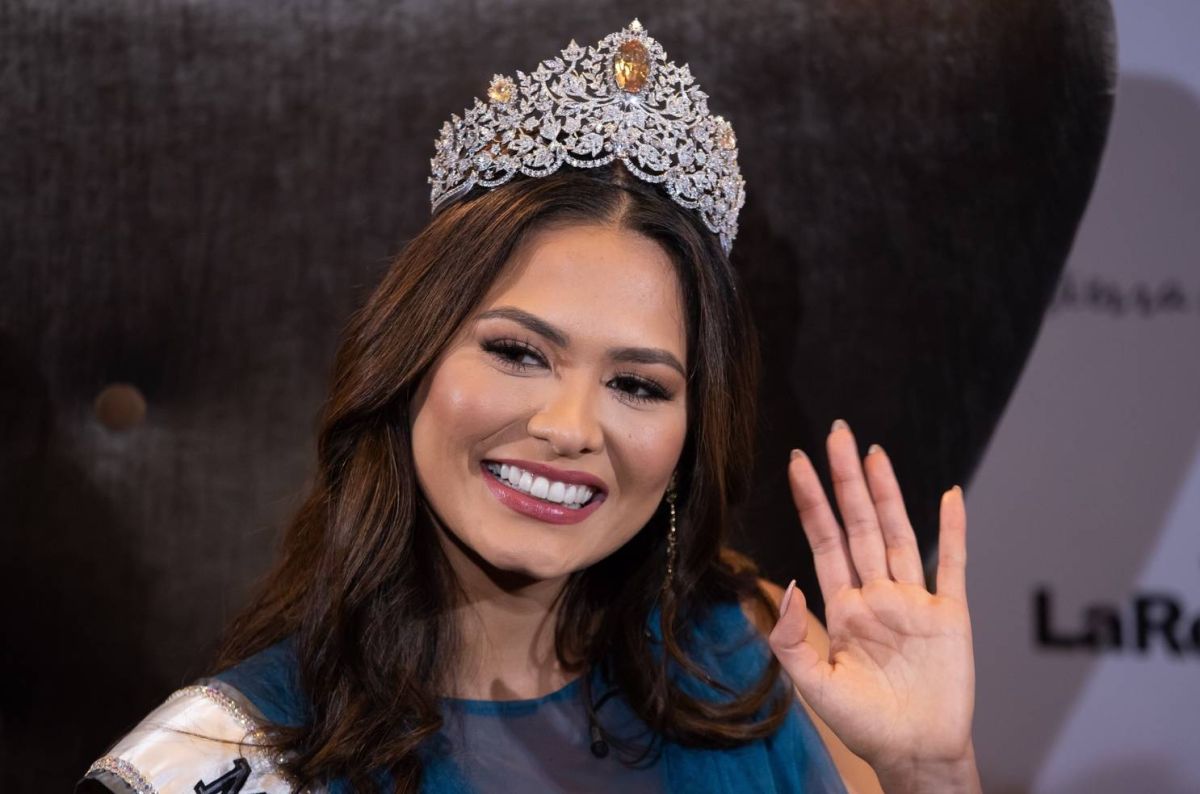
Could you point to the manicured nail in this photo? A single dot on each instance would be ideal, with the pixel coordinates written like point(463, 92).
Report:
point(871, 450)
point(787, 599)
point(839, 424)
point(796, 453)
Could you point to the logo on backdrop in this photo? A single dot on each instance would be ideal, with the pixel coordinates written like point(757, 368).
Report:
point(1146, 622)
point(1118, 297)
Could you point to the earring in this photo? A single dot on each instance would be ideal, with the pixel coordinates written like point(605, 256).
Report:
point(671, 553)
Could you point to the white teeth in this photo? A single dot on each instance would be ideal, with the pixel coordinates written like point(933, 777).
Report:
point(572, 496)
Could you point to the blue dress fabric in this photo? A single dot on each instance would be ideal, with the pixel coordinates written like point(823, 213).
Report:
point(543, 744)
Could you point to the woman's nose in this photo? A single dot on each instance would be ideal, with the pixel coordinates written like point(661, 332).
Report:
point(568, 420)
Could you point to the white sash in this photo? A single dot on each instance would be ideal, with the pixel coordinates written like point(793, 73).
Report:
point(204, 739)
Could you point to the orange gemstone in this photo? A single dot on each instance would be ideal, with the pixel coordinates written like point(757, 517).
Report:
point(631, 67)
point(501, 89)
point(725, 137)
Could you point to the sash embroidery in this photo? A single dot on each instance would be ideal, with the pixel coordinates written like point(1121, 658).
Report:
point(229, 783)
point(188, 744)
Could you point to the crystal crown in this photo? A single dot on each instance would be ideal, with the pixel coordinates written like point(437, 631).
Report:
point(621, 99)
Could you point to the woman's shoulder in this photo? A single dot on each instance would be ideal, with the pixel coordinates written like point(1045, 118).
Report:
point(729, 643)
point(270, 681)
point(207, 738)
point(203, 738)
point(724, 640)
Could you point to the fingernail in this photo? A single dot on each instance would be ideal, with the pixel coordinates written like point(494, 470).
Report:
point(839, 424)
point(871, 450)
point(787, 599)
point(959, 489)
point(796, 453)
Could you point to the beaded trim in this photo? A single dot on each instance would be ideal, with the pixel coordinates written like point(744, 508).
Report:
point(228, 704)
point(128, 773)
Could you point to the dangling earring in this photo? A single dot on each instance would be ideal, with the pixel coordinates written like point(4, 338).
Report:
point(671, 553)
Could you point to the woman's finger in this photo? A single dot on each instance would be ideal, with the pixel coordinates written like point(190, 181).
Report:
point(903, 555)
point(952, 546)
point(803, 663)
point(831, 554)
point(854, 500)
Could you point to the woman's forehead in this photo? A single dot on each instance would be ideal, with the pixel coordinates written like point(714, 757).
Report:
point(600, 280)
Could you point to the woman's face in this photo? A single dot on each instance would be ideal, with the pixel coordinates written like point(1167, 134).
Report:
point(546, 433)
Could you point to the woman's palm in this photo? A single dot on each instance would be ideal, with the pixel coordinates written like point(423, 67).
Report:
point(898, 682)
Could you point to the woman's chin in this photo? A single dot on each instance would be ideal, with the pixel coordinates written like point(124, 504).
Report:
point(535, 561)
point(537, 568)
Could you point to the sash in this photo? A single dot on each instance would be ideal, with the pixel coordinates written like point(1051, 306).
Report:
point(204, 739)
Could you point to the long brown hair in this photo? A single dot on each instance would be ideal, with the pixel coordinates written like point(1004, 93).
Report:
point(362, 585)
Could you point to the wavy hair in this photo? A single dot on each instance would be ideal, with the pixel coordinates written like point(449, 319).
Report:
point(361, 583)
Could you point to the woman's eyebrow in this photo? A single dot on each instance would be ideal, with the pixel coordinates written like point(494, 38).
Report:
point(635, 355)
point(530, 321)
point(647, 355)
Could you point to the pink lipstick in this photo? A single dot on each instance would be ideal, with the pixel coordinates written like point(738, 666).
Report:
point(540, 509)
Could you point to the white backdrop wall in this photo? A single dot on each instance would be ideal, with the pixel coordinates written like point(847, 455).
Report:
point(1085, 513)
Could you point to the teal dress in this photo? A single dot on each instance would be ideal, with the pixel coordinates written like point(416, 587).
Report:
point(545, 744)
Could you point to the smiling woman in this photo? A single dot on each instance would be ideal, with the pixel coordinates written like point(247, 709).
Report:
point(514, 560)
point(575, 358)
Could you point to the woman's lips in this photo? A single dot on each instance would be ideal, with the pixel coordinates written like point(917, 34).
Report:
point(533, 507)
point(551, 473)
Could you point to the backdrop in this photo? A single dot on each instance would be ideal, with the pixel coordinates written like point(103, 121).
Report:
point(1085, 578)
point(194, 195)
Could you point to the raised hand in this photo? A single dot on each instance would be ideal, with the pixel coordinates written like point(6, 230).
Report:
point(898, 686)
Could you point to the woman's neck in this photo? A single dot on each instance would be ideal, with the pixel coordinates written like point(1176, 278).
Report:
point(506, 625)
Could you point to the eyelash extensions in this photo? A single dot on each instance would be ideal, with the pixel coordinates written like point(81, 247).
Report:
point(509, 353)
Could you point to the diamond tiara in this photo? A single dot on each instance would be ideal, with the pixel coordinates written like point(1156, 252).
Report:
point(621, 99)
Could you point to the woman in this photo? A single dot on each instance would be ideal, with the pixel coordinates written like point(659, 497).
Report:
point(511, 572)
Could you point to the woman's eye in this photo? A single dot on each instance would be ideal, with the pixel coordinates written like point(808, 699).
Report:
point(514, 354)
point(639, 389)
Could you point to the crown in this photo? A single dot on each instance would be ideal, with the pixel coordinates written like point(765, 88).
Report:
point(619, 100)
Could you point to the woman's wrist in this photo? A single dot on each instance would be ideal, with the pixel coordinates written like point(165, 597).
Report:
point(922, 776)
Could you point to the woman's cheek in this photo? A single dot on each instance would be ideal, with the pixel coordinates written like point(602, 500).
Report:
point(474, 398)
point(651, 443)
